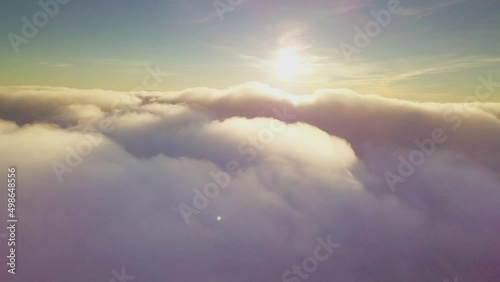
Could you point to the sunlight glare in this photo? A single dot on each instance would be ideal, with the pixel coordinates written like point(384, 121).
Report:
point(288, 64)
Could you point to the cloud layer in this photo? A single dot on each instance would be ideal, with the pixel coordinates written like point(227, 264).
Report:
point(102, 176)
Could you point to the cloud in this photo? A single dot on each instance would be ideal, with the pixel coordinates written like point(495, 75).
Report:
point(308, 167)
point(424, 9)
point(58, 65)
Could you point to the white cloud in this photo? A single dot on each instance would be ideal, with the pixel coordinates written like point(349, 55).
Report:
point(322, 174)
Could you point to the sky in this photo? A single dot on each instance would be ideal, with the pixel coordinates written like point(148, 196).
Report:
point(250, 141)
point(427, 51)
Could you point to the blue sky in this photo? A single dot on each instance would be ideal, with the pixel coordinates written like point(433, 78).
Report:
point(432, 50)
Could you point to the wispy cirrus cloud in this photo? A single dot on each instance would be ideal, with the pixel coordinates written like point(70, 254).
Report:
point(422, 9)
point(57, 65)
point(450, 66)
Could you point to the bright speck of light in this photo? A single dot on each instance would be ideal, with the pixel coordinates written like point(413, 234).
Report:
point(219, 218)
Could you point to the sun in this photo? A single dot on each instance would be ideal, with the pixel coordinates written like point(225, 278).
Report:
point(289, 63)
